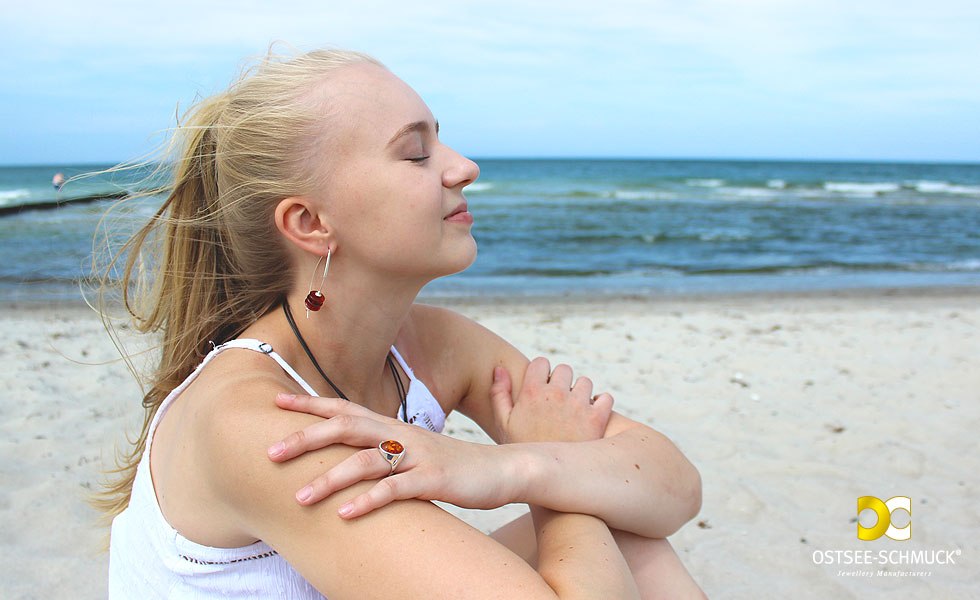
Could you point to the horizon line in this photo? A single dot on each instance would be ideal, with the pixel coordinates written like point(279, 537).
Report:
point(612, 158)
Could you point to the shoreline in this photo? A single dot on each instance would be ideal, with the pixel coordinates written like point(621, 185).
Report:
point(599, 298)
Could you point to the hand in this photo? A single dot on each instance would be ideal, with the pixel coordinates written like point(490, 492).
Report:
point(435, 466)
point(548, 408)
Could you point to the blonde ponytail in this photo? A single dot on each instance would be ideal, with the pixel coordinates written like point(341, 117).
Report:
point(209, 262)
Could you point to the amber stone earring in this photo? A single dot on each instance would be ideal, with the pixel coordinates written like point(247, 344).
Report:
point(314, 300)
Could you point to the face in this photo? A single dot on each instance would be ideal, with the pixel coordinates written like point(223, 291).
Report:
point(392, 193)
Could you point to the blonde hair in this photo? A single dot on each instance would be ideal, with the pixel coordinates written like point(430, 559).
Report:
point(210, 261)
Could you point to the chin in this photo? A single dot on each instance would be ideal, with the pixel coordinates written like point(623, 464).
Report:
point(462, 259)
point(466, 258)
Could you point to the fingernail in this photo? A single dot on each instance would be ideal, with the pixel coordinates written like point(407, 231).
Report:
point(284, 396)
point(277, 449)
point(304, 494)
point(346, 509)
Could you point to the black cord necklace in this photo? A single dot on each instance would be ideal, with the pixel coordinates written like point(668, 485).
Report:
point(402, 394)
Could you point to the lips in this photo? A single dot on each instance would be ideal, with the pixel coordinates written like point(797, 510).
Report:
point(460, 208)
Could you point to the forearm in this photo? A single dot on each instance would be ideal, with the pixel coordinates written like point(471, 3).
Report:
point(636, 481)
point(579, 558)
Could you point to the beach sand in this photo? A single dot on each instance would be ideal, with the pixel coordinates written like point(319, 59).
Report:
point(791, 406)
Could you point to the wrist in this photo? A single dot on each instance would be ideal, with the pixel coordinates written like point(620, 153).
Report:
point(523, 470)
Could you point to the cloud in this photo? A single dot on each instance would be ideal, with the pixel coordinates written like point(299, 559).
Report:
point(620, 68)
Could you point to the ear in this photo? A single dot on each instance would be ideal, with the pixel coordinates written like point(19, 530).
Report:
point(304, 224)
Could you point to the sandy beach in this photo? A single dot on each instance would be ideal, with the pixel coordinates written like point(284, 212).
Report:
point(791, 406)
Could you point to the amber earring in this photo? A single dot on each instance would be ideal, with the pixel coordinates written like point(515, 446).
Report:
point(314, 300)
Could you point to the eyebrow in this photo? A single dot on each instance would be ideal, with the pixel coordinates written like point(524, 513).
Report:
point(419, 126)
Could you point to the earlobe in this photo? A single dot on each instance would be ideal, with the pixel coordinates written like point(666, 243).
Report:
point(300, 221)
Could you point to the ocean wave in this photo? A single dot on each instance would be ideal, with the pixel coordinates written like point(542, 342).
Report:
point(725, 235)
point(640, 195)
point(749, 192)
point(778, 184)
point(9, 195)
point(943, 187)
point(861, 189)
point(480, 186)
point(709, 183)
point(969, 265)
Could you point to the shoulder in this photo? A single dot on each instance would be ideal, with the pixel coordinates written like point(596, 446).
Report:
point(438, 328)
point(455, 347)
point(464, 353)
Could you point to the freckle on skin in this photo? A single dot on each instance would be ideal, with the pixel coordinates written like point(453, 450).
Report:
point(627, 481)
point(637, 466)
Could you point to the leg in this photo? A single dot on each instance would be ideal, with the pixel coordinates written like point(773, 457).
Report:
point(657, 569)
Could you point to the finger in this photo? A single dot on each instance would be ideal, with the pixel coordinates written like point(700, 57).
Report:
point(561, 377)
point(603, 402)
point(322, 406)
point(537, 373)
point(389, 489)
point(501, 399)
point(582, 388)
point(342, 429)
point(360, 466)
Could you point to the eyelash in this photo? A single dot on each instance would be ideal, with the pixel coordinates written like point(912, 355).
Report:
point(418, 160)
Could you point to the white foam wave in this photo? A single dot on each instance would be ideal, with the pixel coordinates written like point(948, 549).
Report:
point(8, 195)
point(863, 190)
point(481, 186)
point(971, 264)
point(748, 192)
point(776, 184)
point(944, 187)
point(641, 195)
point(711, 183)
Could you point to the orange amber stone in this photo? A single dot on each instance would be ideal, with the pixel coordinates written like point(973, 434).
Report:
point(392, 447)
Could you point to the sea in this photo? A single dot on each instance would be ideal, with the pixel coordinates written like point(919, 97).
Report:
point(604, 226)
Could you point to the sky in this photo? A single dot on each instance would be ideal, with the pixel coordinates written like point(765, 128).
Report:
point(894, 80)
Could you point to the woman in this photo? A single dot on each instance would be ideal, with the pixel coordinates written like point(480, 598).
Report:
point(311, 203)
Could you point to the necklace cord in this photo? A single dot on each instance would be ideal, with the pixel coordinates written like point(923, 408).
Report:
point(402, 394)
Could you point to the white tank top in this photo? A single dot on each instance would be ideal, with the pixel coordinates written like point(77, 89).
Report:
point(149, 559)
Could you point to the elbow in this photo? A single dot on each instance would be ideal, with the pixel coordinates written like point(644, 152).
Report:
point(688, 498)
point(693, 503)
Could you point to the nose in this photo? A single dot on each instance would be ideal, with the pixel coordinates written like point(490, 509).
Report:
point(461, 171)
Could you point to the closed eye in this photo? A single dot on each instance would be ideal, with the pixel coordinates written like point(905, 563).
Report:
point(418, 159)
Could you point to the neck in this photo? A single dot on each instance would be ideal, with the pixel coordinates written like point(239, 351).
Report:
point(350, 336)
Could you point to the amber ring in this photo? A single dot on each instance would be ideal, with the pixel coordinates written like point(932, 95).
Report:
point(392, 452)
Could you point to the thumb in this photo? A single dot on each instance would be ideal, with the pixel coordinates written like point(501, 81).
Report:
point(500, 398)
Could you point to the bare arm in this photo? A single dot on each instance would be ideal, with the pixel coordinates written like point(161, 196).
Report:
point(412, 547)
point(648, 486)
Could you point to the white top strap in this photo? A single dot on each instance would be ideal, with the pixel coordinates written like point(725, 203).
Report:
point(401, 361)
point(266, 348)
